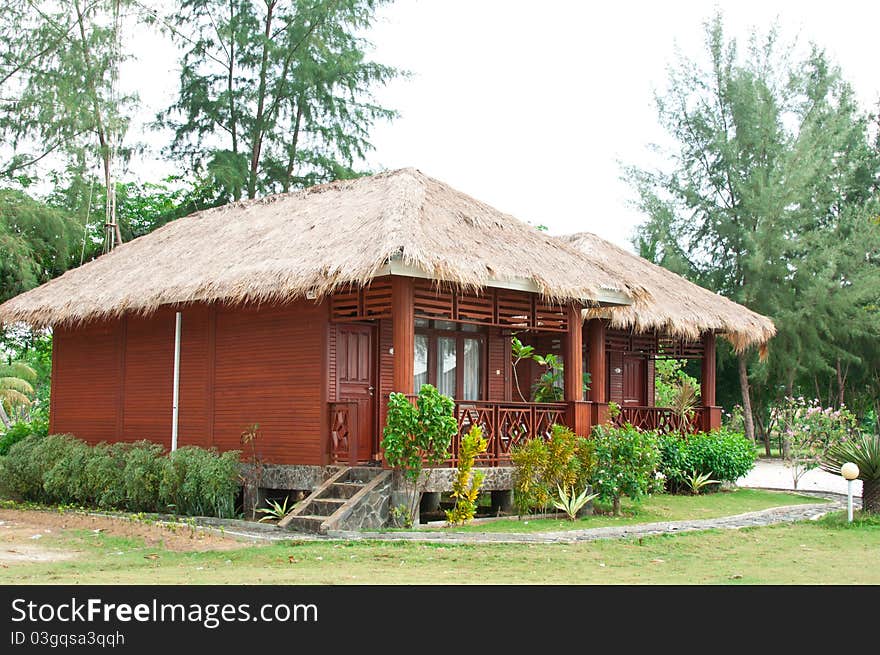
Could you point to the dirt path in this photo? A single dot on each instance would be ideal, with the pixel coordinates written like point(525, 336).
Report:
point(31, 536)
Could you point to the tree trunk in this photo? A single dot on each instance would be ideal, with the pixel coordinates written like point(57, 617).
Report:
point(4, 418)
point(616, 506)
point(871, 496)
point(748, 418)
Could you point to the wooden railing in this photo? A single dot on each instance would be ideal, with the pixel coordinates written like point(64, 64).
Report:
point(343, 431)
point(505, 425)
point(662, 419)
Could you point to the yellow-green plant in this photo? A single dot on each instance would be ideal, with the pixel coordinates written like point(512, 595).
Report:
point(275, 512)
point(570, 502)
point(696, 481)
point(467, 482)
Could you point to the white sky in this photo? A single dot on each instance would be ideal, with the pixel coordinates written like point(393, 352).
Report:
point(529, 106)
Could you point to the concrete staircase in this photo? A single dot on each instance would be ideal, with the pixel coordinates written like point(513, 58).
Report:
point(354, 498)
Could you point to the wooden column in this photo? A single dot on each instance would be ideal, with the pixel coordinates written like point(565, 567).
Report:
point(578, 411)
point(574, 348)
point(403, 333)
point(596, 364)
point(707, 383)
point(711, 413)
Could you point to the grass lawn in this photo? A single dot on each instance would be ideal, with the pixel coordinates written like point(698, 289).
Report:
point(820, 552)
point(664, 507)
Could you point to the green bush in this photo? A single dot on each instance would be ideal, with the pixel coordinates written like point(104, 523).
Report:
point(132, 476)
point(565, 460)
point(722, 454)
point(25, 467)
point(627, 460)
point(199, 482)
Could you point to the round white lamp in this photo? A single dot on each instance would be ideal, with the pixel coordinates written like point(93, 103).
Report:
point(850, 472)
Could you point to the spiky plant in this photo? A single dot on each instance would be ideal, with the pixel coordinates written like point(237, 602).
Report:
point(684, 402)
point(696, 481)
point(864, 451)
point(571, 502)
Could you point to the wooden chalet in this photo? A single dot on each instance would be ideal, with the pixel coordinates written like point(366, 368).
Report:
point(302, 312)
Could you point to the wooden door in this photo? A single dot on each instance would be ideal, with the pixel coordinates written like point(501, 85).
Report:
point(355, 380)
point(634, 381)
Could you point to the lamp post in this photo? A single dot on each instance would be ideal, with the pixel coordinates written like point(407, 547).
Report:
point(850, 472)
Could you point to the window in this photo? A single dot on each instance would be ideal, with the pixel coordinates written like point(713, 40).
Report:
point(451, 357)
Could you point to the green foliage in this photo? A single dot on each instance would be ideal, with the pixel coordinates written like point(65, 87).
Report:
point(769, 197)
point(21, 429)
point(418, 436)
point(37, 242)
point(548, 388)
point(668, 375)
point(130, 476)
point(626, 461)
point(564, 460)
point(274, 100)
point(571, 502)
point(275, 511)
point(467, 482)
point(722, 455)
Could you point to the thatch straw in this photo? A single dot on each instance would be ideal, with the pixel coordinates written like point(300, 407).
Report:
point(674, 305)
point(313, 242)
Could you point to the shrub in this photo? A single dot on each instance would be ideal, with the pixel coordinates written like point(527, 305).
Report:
point(142, 475)
point(415, 436)
point(626, 462)
point(467, 482)
point(726, 455)
point(565, 461)
point(722, 455)
point(28, 461)
point(199, 482)
point(134, 476)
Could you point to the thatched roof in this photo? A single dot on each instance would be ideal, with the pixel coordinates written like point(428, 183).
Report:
point(314, 241)
point(673, 305)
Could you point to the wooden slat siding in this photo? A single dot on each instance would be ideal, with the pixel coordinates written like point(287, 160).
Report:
point(323, 326)
point(149, 377)
point(86, 378)
point(52, 395)
point(194, 419)
point(596, 365)
point(499, 357)
point(332, 394)
point(120, 394)
point(212, 366)
point(386, 369)
point(403, 332)
point(651, 390)
point(269, 371)
point(615, 380)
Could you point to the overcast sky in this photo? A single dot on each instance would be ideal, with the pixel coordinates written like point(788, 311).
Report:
point(530, 106)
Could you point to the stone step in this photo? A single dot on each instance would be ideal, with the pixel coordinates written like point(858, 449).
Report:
point(324, 506)
point(343, 489)
point(306, 523)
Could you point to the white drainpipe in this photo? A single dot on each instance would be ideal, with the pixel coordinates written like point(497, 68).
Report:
point(175, 402)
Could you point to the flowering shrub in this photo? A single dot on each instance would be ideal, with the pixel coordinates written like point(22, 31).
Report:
point(808, 430)
point(627, 460)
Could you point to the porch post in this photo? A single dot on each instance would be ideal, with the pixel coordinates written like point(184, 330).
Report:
point(597, 369)
point(403, 333)
point(574, 345)
point(711, 413)
point(578, 413)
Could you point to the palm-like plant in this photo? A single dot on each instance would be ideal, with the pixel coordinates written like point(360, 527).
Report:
point(864, 451)
point(685, 398)
point(275, 512)
point(570, 502)
point(17, 381)
point(696, 481)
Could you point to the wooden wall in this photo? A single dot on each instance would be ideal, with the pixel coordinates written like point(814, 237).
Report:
point(239, 366)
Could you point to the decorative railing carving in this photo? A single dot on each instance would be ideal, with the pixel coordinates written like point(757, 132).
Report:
point(343, 431)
